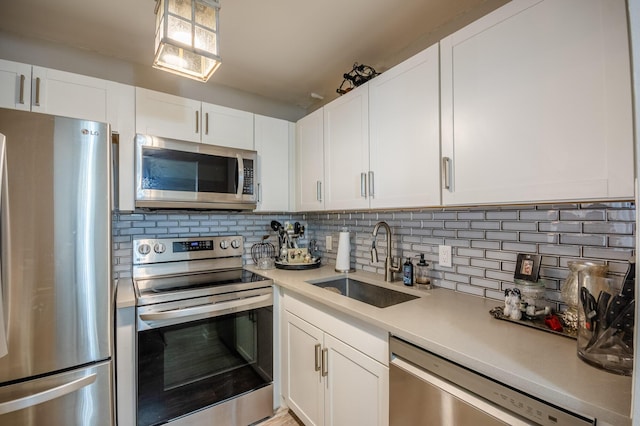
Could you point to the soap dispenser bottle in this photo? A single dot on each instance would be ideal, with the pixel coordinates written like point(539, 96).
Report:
point(422, 277)
point(407, 272)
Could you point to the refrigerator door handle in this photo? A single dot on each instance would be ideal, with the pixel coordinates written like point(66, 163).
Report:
point(48, 395)
point(4, 199)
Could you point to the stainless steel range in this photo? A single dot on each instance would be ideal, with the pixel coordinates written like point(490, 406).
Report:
point(204, 333)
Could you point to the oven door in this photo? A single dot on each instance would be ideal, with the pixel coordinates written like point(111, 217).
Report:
point(170, 173)
point(201, 352)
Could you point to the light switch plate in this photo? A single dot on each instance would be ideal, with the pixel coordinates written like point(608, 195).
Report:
point(328, 242)
point(444, 256)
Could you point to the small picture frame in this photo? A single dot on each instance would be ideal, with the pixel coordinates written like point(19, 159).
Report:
point(527, 267)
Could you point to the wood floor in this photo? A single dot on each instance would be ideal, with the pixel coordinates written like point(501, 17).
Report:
point(283, 417)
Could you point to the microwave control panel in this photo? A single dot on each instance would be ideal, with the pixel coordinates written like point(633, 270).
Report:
point(248, 181)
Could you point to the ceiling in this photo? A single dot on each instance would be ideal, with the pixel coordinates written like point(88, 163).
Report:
point(281, 49)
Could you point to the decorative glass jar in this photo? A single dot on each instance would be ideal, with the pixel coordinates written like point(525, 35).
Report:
point(579, 270)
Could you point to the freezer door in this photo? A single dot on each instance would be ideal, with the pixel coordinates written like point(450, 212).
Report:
point(54, 243)
point(77, 397)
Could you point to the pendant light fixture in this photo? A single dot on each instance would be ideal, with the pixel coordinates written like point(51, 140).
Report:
point(187, 42)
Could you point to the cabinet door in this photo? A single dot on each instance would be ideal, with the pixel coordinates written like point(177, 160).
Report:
point(304, 391)
point(346, 150)
point(404, 133)
point(15, 85)
point(169, 116)
point(310, 162)
point(356, 388)
point(69, 95)
point(227, 127)
point(536, 104)
point(274, 146)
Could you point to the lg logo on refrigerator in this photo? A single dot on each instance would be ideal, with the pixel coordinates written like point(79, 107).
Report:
point(90, 132)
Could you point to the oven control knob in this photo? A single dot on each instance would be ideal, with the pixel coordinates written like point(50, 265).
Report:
point(224, 244)
point(159, 248)
point(144, 249)
point(235, 244)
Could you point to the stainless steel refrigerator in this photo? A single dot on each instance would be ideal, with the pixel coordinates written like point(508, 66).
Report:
point(55, 265)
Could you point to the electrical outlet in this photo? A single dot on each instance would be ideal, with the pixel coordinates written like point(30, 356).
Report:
point(328, 242)
point(444, 256)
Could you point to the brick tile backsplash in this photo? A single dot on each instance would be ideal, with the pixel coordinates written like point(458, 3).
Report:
point(485, 240)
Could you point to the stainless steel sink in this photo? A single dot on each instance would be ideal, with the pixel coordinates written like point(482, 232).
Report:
point(380, 297)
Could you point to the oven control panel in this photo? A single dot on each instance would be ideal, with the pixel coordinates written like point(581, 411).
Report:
point(160, 250)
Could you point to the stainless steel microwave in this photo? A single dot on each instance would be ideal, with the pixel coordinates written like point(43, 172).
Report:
point(175, 174)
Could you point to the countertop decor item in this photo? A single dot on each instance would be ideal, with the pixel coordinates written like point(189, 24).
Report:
point(569, 291)
point(606, 322)
point(262, 250)
point(312, 264)
point(527, 267)
point(539, 323)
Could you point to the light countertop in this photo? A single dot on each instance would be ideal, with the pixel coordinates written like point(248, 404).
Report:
point(459, 327)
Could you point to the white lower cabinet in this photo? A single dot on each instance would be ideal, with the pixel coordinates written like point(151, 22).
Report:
point(329, 379)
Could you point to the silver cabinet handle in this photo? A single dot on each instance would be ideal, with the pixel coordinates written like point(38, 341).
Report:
point(446, 172)
point(197, 121)
point(206, 123)
point(47, 395)
point(319, 190)
point(325, 362)
point(37, 103)
point(258, 191)
point(371, 188)
point(317, 365)
point(363, 185)
point(21, 97)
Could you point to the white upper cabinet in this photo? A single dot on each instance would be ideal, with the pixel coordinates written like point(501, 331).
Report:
point(169, 116)
point(175, 117)
point(404, 133)
point(15, 85)
point(309, 162)
point(227, 127)
point(346, 151)
point(274, 144)
point(536, 105)
point(69, 95)
point(49, 91)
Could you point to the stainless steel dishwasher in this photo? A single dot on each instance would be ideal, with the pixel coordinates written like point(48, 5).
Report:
point(426, 389)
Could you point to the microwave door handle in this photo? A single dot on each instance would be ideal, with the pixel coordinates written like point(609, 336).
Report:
point(240, 175)
point(205, 309)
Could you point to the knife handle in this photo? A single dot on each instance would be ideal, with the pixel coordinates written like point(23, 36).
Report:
point(629, 283)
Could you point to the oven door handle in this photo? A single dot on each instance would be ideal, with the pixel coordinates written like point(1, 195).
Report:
point(205, 309)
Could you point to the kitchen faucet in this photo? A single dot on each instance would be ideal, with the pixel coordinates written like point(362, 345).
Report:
point(391, 264)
